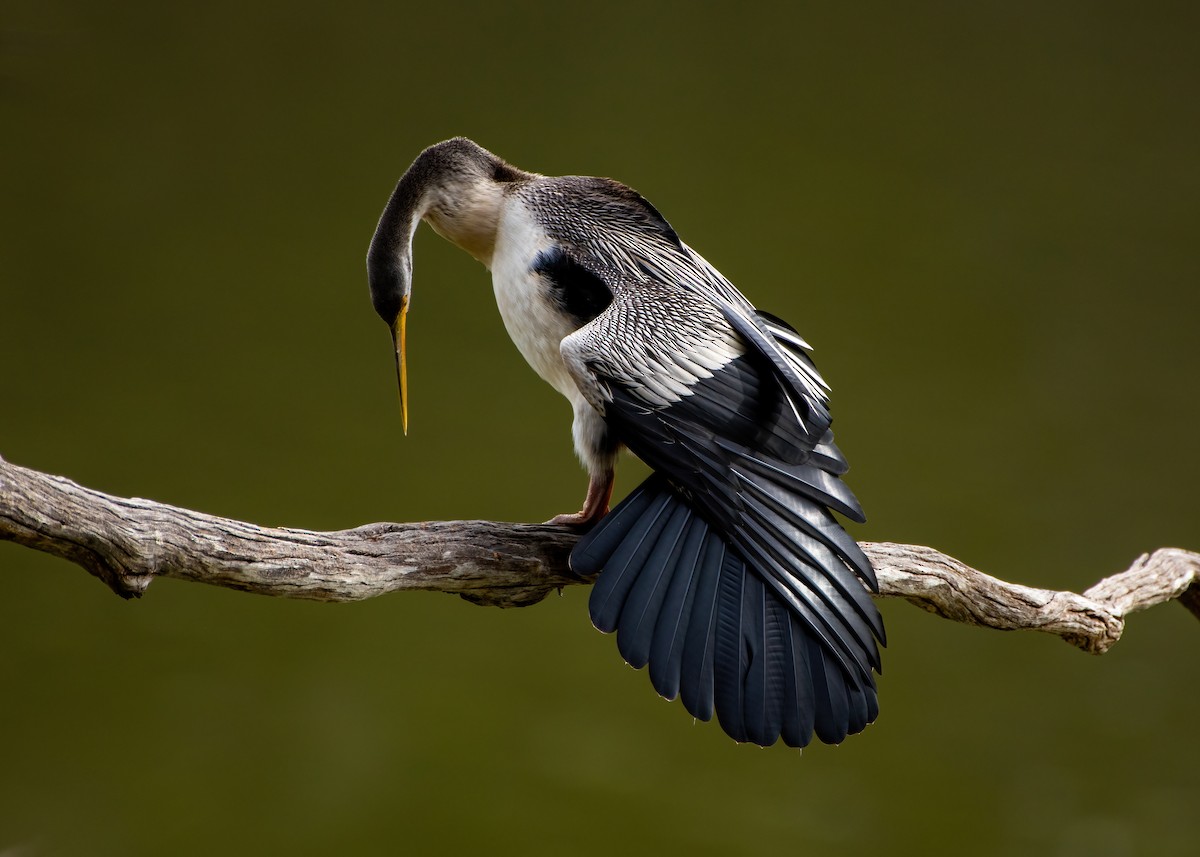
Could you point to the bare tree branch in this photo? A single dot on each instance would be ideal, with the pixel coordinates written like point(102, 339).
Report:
point(127, 542)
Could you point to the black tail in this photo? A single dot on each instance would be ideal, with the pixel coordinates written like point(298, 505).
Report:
point(682, 599)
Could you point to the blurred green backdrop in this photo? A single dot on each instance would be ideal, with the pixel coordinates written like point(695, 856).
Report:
point(984, 216)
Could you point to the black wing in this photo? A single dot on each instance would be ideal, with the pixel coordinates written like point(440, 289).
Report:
point(726, 572)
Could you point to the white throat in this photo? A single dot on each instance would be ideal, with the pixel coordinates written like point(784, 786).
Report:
point(468, 214)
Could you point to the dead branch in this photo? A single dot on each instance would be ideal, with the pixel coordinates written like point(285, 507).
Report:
point(127, 542)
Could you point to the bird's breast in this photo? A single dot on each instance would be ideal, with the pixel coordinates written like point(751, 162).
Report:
point(533, 316)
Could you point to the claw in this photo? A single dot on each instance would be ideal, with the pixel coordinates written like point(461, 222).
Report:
point(595, 505)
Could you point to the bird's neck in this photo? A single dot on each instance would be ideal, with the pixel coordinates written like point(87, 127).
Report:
point(469, 218)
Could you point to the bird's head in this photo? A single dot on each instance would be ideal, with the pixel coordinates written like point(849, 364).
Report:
point(458, 186)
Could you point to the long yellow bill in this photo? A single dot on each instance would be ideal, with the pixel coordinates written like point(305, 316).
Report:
point(398, 339)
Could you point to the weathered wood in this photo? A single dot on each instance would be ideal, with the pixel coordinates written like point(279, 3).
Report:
point(127, 542)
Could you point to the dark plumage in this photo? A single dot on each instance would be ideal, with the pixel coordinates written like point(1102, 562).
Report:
point(581, 294)
point(726, 571)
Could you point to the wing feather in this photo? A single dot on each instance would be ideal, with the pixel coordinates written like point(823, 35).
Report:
point(726, 571)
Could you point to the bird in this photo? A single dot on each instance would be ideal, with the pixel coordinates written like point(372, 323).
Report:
point(725, 571)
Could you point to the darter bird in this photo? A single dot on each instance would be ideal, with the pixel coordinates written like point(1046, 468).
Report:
point(725, 571)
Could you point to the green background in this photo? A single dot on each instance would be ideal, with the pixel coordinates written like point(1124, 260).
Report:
point(984, 216)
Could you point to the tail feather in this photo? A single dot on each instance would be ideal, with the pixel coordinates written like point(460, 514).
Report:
point(640, 615)
point(801, 523)
point(800, 705)
point(609, 594)
point(696, 669)
point(594, 550)
point(858, 707)
point(730, 667)
point(764, 678)
point(666, 649)
point(872, 698)
point(832, 721)
point(820, 596)
point(761, 652)
point(816, 553)
point(808, 595)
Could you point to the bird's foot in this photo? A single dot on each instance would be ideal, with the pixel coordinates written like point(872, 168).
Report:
point(595, 505)
point(582, 518)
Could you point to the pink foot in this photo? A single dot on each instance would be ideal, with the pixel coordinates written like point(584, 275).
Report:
point(595, 506)
point(578, 519)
